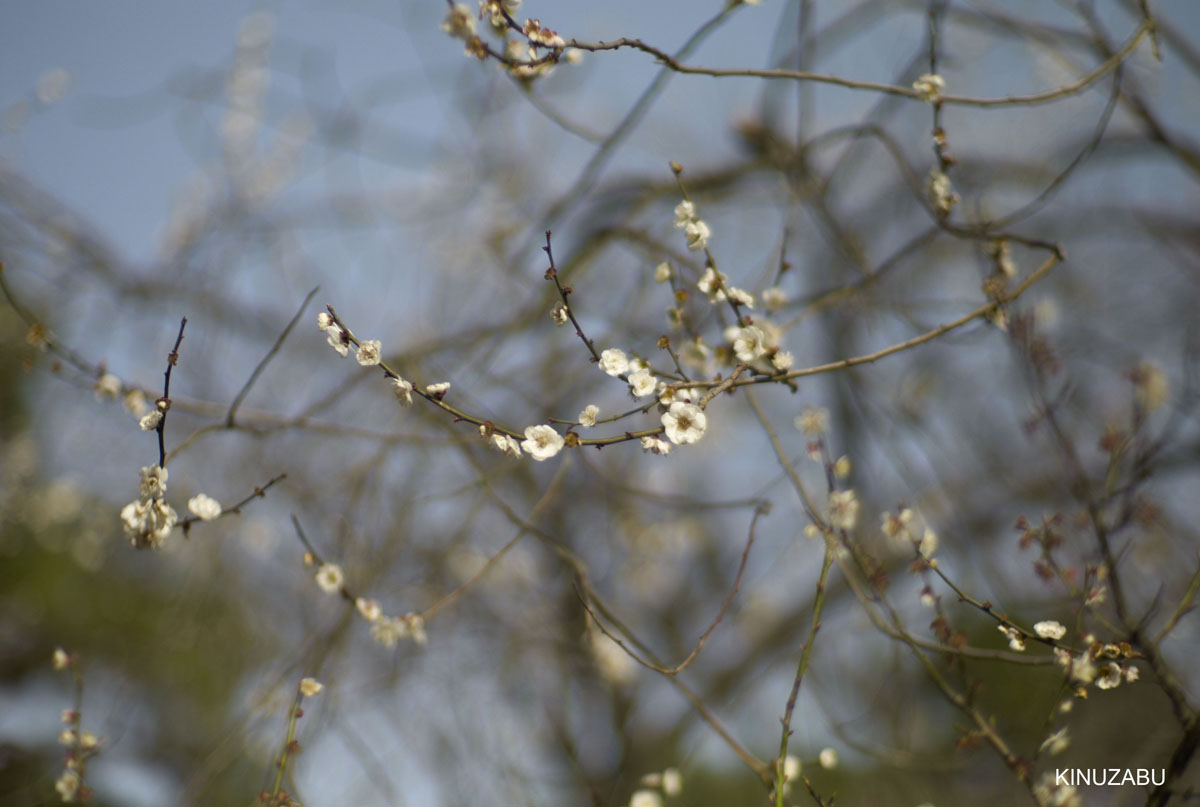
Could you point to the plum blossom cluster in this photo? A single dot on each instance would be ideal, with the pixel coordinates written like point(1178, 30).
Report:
point(81, 745)
point(1098, 665)
point(386, 630)
point(149, 520)
point(694, 228)
point(530, 48)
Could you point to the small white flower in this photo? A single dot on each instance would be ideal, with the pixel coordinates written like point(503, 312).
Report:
point(324, 321)
point(1130, 672)
point(1083, 669)
point(684, 423)
point(662, 272)
point(1050, 630)
point(153, 481)
point(713, 284)
point(459, 22)
point(697, 233)
point(685, 211)
point(1015, 640)
point(329, 577)
point(368, 609)
point(828, 758)
point(843, 509)
point(67, 785)
point(338, 340)
point(107, 387)
point(613, 361)
point(368, 352)
point(672, 782)
point(387, 630)
point(135, 402)
point(505, 444)
point(1111, 678)
point(587, 418)
point(656, 445)
point(750, 343)
point(791, 767)
point(149, 422)
point(403, 390)
point(439, 389)
point(741, 297)
point(929, 87)
point(416, 627)
point(774, 298)
point(204, 507)
point(941, 192)
point(645, 798)
point(928, 544)
point(813, 421)
point(642, 383)
point(559, 314)
point(1057, 742)
point(542, 442)
point(782, 360)
point(310, 687)
point(842, 467)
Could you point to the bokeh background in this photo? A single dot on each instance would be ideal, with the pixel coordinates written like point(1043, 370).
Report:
point(220, 161)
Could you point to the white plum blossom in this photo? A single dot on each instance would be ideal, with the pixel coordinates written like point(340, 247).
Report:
point(1050, 630)
point(843, 509)
point(204, 507)
point(135, 402)
point(741, 297)
point(774, 298)
point(712, 283)
point(403, 390)
point(782, 360)
point(662, 272)
point(559, 313)
point(505, 444)
point(149, 422)
point(613, 361)
point(656, 445)
point(645, 798)
point(813, 421)
point(368, 609)
point(941, 192)
point(672, 782)
point(148, 522)
point(459, 22)
point(828, 758)
point(439, 389)
point(329, 577)
point(750, 343)
point(697, 233)
point(587, 418)
point(642, 383)
point(337, 338)
point(685, 211)
point(542, 442)
point(929, 86)
point(387, 630)
point(1111, 678)
point(107, 387)
point(310, 687)
point(153, 481)
point(1015, 640)
point(368, 352)
point(684, 423)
